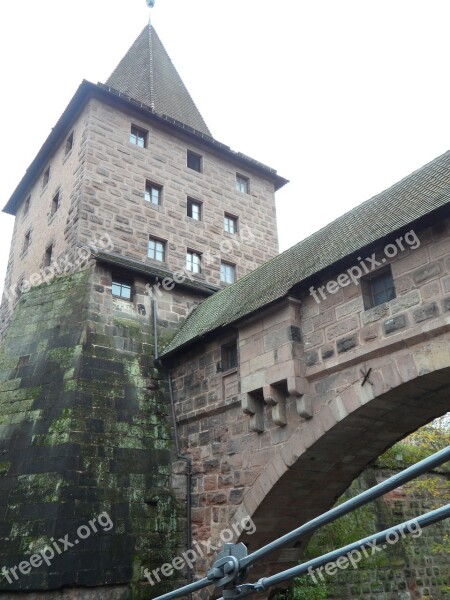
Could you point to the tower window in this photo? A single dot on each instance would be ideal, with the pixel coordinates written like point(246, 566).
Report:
point(69, 144)
point(193, 261)
point(121, 288)
point(26, 241)
point(138, 137)
point(194, 209)
point(229, 356)
point(48, 256)
point(227, 272)
point(152, 193)
point(230, 223)
point(242, 183)
point(156, 249)
point(378, 288)
point(46, 177)
point(55, 203)
point(26, 206)
point(194, 161)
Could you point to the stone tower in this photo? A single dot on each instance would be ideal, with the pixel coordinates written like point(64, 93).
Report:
point(129, 216)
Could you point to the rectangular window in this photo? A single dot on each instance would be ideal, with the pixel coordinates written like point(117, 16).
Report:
point(156, 249)
point(193, 261)
point(227, 272)
point(242, 183)
point(26, 206)
point(48, 256)
point(230, 223)
point(46, 177)
point(194, 161)
point(152, 193)
point(26, 241)
point(69, 144)
point(229, 356)
point(55, 203)
point(194, 209)
point(121, 288)
point(378, 288)
point(138, 137)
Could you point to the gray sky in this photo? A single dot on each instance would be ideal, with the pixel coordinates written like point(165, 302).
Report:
point(342, 97)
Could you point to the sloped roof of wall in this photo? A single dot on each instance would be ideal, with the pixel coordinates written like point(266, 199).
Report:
point(422, 192)
point(147, 74)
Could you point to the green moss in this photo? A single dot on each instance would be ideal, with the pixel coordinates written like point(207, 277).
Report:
point(4, 468)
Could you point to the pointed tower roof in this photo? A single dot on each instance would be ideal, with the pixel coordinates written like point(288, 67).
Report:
point(147, 74)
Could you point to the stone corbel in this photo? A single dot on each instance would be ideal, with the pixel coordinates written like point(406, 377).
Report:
point(275, 398)
point(253, 405)
point(298, 388)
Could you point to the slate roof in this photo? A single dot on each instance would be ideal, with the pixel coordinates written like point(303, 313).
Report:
point(147, 74)
point(415, 196)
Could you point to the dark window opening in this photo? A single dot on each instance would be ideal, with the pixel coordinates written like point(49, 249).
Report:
point(230, 224)
point(242, 183)
point(46, 177)
point(378, 288)
point(227, 273)
point(69, 143)
point(26, 241)
point(121, 288)
point(55, 203)
point(26, 206)
point(152, 193)
point(194, 161)
point(194, 209)
point(229, 356)
point(138, 137)
point(48, 256)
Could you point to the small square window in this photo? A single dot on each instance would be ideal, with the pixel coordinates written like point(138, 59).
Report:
point(194, 161)
point(69, 144)
point(138, 137)
point(55, 203)
point(26, 206)
point(230, 223)
point(194, 209)
point(48, 256)
point(227, 272)
point(26, 241)
point(156, 249)
point(242, 183)
point(229, 356)
point(152, 193)
point(193, 261)
point(378, 288)
point(121, 288)
point(46, 177)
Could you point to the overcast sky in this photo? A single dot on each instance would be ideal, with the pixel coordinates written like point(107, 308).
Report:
point(342, 97)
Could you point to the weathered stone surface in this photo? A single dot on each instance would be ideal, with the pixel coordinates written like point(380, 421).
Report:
point(347, 344)
point(404, 302)
point(426, 312)
point(375, 314)
point(394, 324)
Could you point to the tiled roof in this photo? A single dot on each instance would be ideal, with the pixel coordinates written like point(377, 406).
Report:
point(151, 270)
point(147, 74)
point(415, 196)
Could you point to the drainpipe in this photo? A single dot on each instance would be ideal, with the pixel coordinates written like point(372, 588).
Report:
point(179, 456)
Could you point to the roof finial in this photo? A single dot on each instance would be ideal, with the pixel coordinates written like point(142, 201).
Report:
point(150, 4)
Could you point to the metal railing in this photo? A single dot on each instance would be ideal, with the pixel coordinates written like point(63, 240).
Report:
point(230, 569)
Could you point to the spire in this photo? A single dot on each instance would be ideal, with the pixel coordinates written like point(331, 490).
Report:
point(147, 74)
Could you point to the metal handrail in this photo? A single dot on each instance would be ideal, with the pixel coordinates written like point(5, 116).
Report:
point(382, 488)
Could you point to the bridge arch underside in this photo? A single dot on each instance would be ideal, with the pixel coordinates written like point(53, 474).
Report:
point(317, 476)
